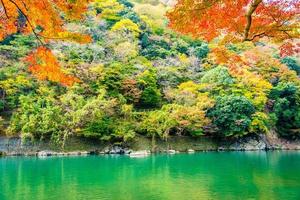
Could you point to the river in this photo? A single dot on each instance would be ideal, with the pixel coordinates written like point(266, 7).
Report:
point(212, 175)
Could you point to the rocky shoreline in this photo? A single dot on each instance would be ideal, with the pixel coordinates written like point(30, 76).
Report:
point(15, 147)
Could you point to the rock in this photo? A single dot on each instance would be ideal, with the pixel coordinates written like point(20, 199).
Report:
point(117, 150)
point(106, 151)
point(74, 153)
point(248, 144)
point(14, 154)
point(127, 151)
point(171, 151)
point(221, 149)
point(46, 153)
point(253, 145)
point(30, 154)
point(137, 154)
point(191, 151)
point(84, 153)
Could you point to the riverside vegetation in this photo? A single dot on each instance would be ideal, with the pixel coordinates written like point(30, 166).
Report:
point(126, 74)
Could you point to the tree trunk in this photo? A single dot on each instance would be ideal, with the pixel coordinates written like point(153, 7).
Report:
point(252, 7)
point(153, 143)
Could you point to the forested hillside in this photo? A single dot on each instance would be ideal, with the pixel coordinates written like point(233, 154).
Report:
point(125, 73)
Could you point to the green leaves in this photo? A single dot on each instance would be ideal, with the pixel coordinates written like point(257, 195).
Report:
point(286, 108)
point(232, 115)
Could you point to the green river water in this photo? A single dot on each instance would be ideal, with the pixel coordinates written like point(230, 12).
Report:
point(213, 175)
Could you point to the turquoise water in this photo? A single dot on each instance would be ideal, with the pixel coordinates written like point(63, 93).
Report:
point(231, 175)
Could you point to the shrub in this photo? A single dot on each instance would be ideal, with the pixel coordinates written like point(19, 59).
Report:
point(232, 115)
point(286, 99)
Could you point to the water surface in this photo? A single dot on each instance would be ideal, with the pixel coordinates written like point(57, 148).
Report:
point(231, 175)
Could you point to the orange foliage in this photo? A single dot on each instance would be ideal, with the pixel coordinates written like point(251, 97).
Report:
point(44, 19)
point(222, 56)
point(44, 65)
point(41, 17)
point(246, 20)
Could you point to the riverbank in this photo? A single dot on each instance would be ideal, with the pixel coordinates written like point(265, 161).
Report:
point(14, 146)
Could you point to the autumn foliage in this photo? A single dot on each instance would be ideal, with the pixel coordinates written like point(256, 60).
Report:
point(44, 65)
point(289, 49)
point(243, 20)
point(43, 19)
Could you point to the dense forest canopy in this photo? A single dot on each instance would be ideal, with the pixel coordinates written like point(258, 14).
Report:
point(111, 70)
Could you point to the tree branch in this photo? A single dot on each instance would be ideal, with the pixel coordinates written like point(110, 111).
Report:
point(255, 36)
point(253, 6)
point(5, 11)
point(27, 19)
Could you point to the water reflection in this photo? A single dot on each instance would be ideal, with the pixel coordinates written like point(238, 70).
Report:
point(233, 175)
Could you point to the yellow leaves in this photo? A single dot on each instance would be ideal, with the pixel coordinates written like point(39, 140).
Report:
point(126, 50)
point(108, 9)
point(153, 15)
point(11, 85)
point(254, 87)
point(76, 37)
point(204, 102)
point(189, 86)
point(183, 58)
point(189, 117)
point(126, 25)
point(259, 123)
point(44, 66)
point(99, 69)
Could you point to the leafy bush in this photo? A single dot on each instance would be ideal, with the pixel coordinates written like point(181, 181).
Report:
point(292, 64)
point(150, 96)
point(232, 115)
point(37, 118)
point(286, 99)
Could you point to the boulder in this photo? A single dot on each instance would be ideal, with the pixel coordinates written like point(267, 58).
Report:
point(171, 151)
point(191, 151)
point(84, 153)
point(137, 154)
point(46, 153)
point(127, 151)
point(74, 153)
point(117, 150)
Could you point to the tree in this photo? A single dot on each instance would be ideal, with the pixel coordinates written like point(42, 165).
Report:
point(126, 26)
point(232, 115)
point(150, 96)
point(108, 10)
point(38, 117)
point(286, 98)
point(245, 20)
point(292, 64)
point(45, 20)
